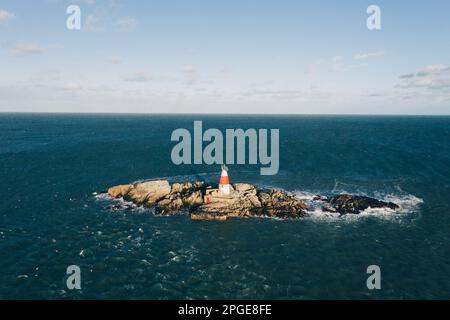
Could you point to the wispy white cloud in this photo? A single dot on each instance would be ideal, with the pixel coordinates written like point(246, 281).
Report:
point(344, 67)
point(434, 69)
point(281, 94)
point(407, 76)
point(416, 83)
point(189, 69)
point(72, 86)
point(426, 83)
point(191, 74)
point(115, 60)
point(93, 24)
point(137, 76)
point(127, 24)
point(26, 49)
point(336, 64)
point(6, 16)
point(369, 55)
point(431, 77)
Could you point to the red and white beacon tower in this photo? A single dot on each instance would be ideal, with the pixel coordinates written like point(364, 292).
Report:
point(224, 184)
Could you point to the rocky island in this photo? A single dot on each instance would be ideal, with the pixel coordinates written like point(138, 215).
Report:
point(205, 201)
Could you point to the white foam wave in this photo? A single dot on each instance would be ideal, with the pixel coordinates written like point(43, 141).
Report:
point(407, 203)
point(101, 196)
point(120, 204)
point(305, 196)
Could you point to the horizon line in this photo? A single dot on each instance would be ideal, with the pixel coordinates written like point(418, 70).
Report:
point(227, 114)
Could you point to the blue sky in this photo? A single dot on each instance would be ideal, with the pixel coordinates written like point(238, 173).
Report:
point(225, 56)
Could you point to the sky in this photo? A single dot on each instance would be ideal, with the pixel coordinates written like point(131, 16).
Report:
point(233, 56)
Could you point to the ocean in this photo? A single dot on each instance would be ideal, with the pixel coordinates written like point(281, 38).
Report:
point(51, 166)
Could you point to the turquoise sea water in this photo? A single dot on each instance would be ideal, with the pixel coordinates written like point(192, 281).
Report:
point(51, 164)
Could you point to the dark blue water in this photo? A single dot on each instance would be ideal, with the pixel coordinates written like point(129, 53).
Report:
point(51, 164)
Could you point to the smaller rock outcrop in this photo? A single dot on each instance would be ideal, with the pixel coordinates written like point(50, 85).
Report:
point(352, 204)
